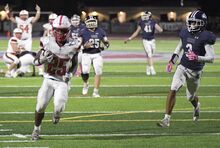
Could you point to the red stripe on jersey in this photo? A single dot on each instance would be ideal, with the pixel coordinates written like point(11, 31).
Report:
point(61, 17)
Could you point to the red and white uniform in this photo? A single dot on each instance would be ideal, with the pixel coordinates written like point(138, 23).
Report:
point(26, 27)
point(10, 55)
point(49, 29)
point(54, 72)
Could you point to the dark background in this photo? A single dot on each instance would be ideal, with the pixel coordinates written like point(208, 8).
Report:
point(69, 7)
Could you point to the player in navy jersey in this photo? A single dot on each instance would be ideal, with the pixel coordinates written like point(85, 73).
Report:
point(94, 40)
point(196, 43)
point(148, 28)
point(75, 29)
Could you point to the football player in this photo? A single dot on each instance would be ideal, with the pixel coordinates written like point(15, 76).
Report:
point(94, 40)
point(76, 27)
point(56, 55)
point(14, 48)
point(148, 28)
point(48, 26)
point(197, 46)
point(24, 22)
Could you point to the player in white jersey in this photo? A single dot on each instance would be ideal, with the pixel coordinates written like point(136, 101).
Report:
point(56, 55)
point(48, 26)
point(14, 48)
point(24, 22)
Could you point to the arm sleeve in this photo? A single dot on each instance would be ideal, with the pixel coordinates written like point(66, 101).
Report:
point(209, 56)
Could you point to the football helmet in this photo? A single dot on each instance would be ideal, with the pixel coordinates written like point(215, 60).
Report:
point(23, 14)
point(52, 17)
point(17, 32)
point(61, 26)
point(196, 21)
point(91, 22)
point(75, 20)
point(146, 16)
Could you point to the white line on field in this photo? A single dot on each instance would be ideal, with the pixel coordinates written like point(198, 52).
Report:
point(111, 112)
point(15, 141)
point(123, 135)
point(19, 135)
point(5, 130)
point(103, 97)
point(116, 86)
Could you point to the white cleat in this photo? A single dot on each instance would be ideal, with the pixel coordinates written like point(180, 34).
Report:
point(8, 74)
point(85, 89)
point(35, 135)
point(152, 71)
point(196, 112)
point(164, 123)
point(95, 95)
point(148, 71)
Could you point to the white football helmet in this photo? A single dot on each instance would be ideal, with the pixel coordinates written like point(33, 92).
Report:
point(23, 12)
point(17, 32)
point(146, 16)
point(75, 20)
point(52, 17)
point(61, 26)
point(91, 22)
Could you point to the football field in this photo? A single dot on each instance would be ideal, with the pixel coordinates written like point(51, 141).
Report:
point(131, 104)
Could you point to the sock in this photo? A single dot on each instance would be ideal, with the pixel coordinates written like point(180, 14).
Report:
point(152, 67)
point(167, 116)
point(96, 90)
point(37, 127)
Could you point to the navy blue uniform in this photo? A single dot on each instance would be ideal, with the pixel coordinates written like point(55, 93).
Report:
point(95, 37)
point(195, 42)
point(75, 31)
point(148, 29)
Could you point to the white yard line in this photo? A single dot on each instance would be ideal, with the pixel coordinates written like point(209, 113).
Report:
point(5, 130)
point(103, 97)
point(118, 135)
point(15, 141)
point(116, 86)
point(110, 112)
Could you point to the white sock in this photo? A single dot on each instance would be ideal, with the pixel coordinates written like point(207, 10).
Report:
point(152, 67)
point(37, 127)
point(167, 116)
point(96, 90)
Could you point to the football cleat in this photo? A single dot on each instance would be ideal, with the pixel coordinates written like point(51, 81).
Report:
point(148, 70)
point(85, 89)
point(56, 118)
point(196, 112)
point(95, 95)
point(35, 135)
point(152, 71)
point(164, 123)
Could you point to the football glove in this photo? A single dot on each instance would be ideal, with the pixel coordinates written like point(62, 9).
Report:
point(192, 56)
point(169, 67)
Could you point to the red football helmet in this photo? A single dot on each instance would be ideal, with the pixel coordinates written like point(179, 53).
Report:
point(61, 26)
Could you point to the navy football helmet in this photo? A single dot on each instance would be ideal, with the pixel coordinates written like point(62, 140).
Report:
point(196, 21)
point(91, 22)
point(146, 16)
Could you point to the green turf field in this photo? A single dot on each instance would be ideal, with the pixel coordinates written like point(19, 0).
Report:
point(126, 114)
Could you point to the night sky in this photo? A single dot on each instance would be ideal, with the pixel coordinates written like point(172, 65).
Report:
point(70, 7)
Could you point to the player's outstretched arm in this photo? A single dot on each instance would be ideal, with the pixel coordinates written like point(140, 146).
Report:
point(133, 35)
point(37, 16)
point(158, 28)
point(10, 15)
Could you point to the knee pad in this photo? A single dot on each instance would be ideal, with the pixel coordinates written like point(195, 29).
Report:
point(85, 77)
